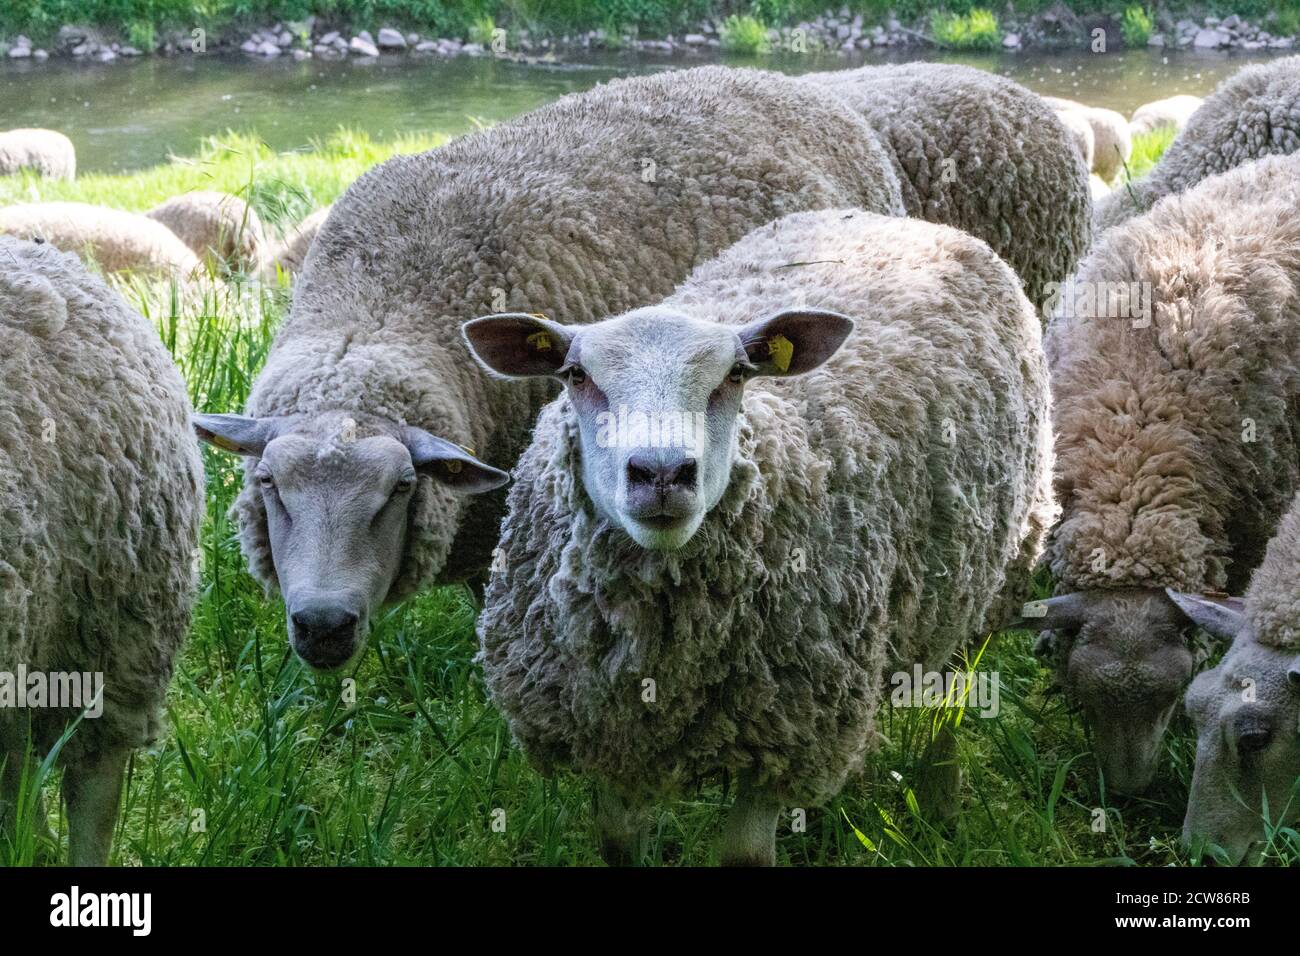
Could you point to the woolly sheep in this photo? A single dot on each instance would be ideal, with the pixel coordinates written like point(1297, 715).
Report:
point(291, 255)
point(47, 152)
point(1010, 184)
point(596, 203)
point(1176, 442)
point(101, 494)
point(1172, 113)
point(1247, 709)
point(1254, 113)
point(113, 239)
point(810, 535)
point(1081, 134)
point(1112, 141)
point(216, 225)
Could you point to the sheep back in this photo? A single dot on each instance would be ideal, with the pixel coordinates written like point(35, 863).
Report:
point(45, 151)
point(111, 238)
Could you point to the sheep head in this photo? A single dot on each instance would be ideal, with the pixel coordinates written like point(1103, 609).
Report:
point(1247, 716)
point(338, 493)
point(656, 393)
point(1124, 656)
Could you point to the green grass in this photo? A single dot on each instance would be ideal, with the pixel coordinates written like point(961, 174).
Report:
point(744, 34)
point(262, 763)
point(1147, 150)
point(1136, 26)
point(976, 30)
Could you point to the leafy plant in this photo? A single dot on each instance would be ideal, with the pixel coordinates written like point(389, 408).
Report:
point(1136, 26)
point(744, 34)
point(142, 35)
point(976, 30)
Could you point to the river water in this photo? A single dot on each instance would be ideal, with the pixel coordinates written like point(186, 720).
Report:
point(134, 114)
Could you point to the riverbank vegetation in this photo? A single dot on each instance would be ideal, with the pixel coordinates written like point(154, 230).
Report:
point(403, 761)
point(139, 22)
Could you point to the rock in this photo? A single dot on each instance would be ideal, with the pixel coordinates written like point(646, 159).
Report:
point(248, 46)
point(82, 49)
point(390, 39)
point(106, 56)
point(301, 55)
point(694, 39)
point(1156, 39)
point(20, 53)
point(842, 31)
point(267, 48)
point(329, 38)
point(472, 49)
point(864, 43)
point(42, 55)
point(363, 47)
point(1280, 43)
point(284, 39)
point(427, 46)
point(1209, 40)
point(1187, 26)
point(126, 51)
point(22, 41)
point(1011, 41)
point(320, 49)
point(365, 35)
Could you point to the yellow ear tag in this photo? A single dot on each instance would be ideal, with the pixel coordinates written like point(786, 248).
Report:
point(453, 466)
point(782, 351)
point(226, 443)
point(540, 341)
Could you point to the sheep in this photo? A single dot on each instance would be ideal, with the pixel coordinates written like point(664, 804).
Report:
point(217, 227)
point(101, 495)
point(290, 255)
point(979, 152)
point(1247, 709)
point(1252, 114)
point(49, 153)
point(1081, 135)
point(781, 541)
point(595, 203)
point(1176, 372)
point(111, 238)
point(1112, 141)
point(1172, 113)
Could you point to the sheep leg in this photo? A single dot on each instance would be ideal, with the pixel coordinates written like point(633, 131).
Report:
point(620, 828)
point(938, 785)
point(749, 838)
point(93, 789)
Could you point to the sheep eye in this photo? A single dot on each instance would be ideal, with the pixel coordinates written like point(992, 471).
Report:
point(737, 374)
point(404, 484)
point(265, 480)
point(577, 375)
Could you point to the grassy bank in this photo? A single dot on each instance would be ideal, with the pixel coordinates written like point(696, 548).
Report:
point(139, 20)
point(262, 763)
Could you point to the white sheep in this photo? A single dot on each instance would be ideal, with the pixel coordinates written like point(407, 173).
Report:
point(757, 547)
point(1176, 371)
point(1247, 709)
point(979, 152)
point(101, 494)
point(1112, 141)
point(112, 239)
point(1170, 113)
point(1252, 114)
point(598, 202)
point(291, 254)
point(217, 227)
point(46, 151)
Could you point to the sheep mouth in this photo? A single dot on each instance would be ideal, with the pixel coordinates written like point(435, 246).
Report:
point(662, 522)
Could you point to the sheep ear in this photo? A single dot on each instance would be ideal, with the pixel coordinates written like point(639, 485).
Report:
point(1293, 674)
point(449, 464)
point(1064, 612)
point(1218, 617)
point(794, 341)
point(240, 434)
point(518, 344)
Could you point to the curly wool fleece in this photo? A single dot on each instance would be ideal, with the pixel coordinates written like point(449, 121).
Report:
point(597, 203)
point(1273, 600)
point(101, 494)
point(1178, 446)
point(1254, 113)
point(979, 152)
point(877, 509)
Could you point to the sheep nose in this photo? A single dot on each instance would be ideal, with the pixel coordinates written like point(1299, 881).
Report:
point(663, 474)
point(324, 635)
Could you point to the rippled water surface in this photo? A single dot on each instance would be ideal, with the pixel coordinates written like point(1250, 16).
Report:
point(128, 115)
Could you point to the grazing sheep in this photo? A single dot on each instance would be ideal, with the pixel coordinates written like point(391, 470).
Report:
point(1081, 134)
point(114, 240)
point(979, 152)
point(1252, 114)
point(101, 494)
point(1247, 709)
point(217, 226)
point(47, 152)
point(1112, 141)
point(793, 541)
point(291, 255)
point(1177, 443)
point(594, 204)
point(1172, 113)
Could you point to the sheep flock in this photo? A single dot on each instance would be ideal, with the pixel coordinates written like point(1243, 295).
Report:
point(725, 433)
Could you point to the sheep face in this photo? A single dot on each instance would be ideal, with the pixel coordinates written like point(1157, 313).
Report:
point(1247, 717)
point(338, 495)
point(656, 393)
point(1124, 657)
